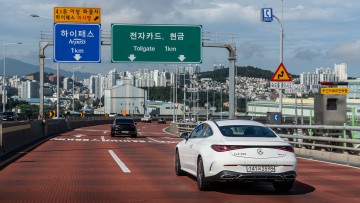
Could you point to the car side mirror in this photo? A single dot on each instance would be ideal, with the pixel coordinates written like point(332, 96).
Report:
point(185, 135)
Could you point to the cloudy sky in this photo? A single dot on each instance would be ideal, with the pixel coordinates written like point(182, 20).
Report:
point(318, 33)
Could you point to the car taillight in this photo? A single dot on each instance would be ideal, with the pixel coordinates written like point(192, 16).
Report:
point(224, 148)
point(285, 148)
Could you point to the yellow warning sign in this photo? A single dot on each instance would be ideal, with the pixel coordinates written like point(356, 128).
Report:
point(77, 15)
point(329, 90)
point(281, 74)
point(52, 113)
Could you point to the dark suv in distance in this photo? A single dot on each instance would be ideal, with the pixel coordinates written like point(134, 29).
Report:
point(125, 126)
point(9, 116)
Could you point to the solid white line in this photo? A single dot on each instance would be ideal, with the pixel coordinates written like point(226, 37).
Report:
point(103, 138)
point(329, 162)
point(119, 162)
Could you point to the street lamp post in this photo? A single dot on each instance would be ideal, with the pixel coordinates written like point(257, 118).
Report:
point(3, 87)
point(42, 46)
point(281, 56)
point(73, 90)
point(57, 90)
point(207, 103)
point(221, 104)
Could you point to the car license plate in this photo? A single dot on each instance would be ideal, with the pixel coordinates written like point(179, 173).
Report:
point(125, 131)
point(260, 169)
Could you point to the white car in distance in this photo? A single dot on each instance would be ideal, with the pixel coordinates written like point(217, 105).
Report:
point(236, 150)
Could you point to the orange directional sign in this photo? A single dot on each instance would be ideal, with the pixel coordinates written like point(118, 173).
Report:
point(77, 15)
point(281, 75)
point(334, 90)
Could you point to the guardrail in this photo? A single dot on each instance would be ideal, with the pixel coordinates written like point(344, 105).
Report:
point(16, 135)
point(338, 144)
point(344, 139)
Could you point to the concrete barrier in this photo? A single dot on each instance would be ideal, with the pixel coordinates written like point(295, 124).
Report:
point(340, 158)
point(17, 135)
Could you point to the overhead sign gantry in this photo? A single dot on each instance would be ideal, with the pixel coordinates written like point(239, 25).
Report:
point(156, 43)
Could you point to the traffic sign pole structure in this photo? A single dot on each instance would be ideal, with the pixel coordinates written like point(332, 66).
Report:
point(267, 16)
point(281, 57)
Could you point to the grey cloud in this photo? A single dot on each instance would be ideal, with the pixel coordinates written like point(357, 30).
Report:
point(308, 54)
point(348, 51)
point(248, 50)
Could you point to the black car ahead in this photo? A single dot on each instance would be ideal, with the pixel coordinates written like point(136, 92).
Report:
point(125, 126)
point(9, 116)
point(162, 120)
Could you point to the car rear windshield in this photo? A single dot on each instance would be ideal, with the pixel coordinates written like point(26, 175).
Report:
point(246, 131)
point(124, 121)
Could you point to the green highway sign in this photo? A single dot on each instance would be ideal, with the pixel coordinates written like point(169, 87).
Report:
point(156, 43)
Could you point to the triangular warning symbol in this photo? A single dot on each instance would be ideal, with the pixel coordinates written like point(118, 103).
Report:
point(281, 74)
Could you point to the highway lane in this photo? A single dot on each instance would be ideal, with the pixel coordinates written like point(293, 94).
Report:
point(87, 165)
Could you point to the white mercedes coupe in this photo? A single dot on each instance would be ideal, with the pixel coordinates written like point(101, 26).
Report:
point(236, 150)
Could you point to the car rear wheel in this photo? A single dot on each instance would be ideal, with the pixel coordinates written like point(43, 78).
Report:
point(202, 184)
point(283, 186)
point(178, 170)
point(134, 135)
point(112, 134)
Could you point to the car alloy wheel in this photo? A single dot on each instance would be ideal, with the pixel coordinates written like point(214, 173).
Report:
point(178, 170)
point(202, 184)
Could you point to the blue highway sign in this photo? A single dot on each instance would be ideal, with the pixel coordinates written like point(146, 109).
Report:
point(267, 14)
point(77, 42)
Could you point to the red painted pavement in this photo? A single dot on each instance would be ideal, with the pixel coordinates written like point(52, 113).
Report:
point(76, 166)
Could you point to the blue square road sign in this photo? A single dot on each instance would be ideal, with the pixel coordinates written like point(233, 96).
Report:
point(267, 14)
point(77, 42)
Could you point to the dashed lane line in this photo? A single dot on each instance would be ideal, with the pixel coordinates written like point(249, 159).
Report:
point(119, 162)
point(125, 140)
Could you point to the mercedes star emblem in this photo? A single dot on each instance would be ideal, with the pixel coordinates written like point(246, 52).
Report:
point(260, 151)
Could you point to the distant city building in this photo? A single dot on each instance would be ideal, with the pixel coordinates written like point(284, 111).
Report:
point(341, 72)
point(53, 78)
point(111, 78)
point(218, 66)
point(66, 84)
point(125, 98)
point(311, 80)
point(29, 89)
point(197, 69)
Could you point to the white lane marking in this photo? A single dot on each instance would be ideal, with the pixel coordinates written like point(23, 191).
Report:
point(329, 162)
point(79, 135)
point(105, 131)
point(175, 135)
point(154, 140)
point(88, 130)
point(102, 138)
point(119, 162)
